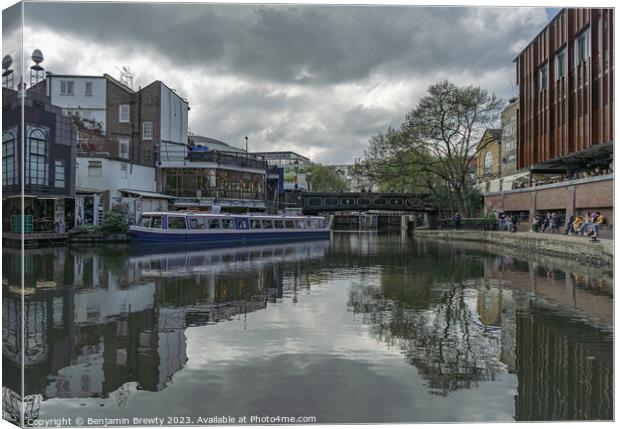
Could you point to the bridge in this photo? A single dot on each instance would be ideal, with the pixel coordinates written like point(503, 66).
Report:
point(315, 202)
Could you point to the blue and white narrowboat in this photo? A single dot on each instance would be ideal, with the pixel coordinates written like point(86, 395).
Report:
point(224, 228)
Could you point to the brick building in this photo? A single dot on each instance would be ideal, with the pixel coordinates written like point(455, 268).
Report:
point(509, 138)
point(122, 136)
point(488, 161)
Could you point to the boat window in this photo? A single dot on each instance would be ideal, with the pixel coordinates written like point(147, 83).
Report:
point(176, 222)
point(267, 223)
point(145, 221)
point(255, 223)
point(290, 224)
point(197, 223)
point(156, 222)
point(278, 223)
point(321, 223)
point(215, 223)
point(243, 223)
point(299, 224)
point(314, 223)
point(308, 223)
point(228, 223)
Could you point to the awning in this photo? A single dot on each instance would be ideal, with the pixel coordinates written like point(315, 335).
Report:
point(146, 194)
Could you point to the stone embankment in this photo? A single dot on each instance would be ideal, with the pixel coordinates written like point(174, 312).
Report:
point(579, 249)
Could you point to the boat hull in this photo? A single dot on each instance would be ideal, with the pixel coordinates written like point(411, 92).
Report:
point(228, 237)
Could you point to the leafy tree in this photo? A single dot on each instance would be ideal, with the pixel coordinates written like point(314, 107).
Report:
point(113, 223)
point(437, 145)
point(324, 179)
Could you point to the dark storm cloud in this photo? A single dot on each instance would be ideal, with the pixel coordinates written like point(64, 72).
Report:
point(320, 80)
point(11, 19)
point(298, 44)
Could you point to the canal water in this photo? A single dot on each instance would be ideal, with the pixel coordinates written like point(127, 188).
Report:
point(359, 328)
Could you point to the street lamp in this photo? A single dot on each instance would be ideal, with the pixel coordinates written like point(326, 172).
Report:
point(296, 172)
point(246, 145)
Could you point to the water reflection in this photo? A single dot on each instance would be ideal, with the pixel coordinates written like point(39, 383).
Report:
point(551, 327)
point(98, 319)
point(109, 323)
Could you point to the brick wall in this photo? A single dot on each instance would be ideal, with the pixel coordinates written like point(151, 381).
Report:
point(495, 148)
point(517, 202)
point(551, 199)
point(149, 105)
point(593, 195)
point(115, 96)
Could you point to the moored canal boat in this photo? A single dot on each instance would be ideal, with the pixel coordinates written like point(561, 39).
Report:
point(223, 228)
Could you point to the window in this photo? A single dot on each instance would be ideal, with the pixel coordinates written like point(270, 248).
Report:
point(267, 224)
point(123, 148)
point(278, 223)
point(9, 140)
point(123, 113)
point(214, 224)
point(582, 49)
point(124, 170)
point(542, 73)
point(255, 224)
point(88, 89)
point(488, 162)
point(147, 130)
point(560, 64)
point(36, 156)
point(290, 224)
point(299, 224)
point(197, 223)
point(66, 87)
point(94, 168)
point(145, 221)
point(59, 174)
point(156, 223)
point(176, 222)
point(228, 224)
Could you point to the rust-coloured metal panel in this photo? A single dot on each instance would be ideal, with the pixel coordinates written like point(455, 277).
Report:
point(574, 112)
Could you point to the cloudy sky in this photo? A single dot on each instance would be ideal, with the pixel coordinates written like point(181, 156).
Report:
point(318, 80)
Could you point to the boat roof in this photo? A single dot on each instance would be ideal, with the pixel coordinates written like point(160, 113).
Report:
point(226, 215)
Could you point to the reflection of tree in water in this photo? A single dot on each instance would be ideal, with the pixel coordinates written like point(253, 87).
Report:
point(445, 341)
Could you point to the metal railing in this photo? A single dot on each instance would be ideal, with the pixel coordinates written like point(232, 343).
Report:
point(230, 158)
point(470, 223)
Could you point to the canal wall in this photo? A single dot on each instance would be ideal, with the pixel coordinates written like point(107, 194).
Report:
point(579, 249)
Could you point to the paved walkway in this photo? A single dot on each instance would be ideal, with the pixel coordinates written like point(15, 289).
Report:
point(574, 247)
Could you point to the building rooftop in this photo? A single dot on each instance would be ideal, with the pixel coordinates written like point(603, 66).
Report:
point(494, 133)
point(213, 144)
point(287, 154)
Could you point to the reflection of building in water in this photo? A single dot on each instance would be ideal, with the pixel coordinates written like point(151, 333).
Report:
point(564, 367)
point(96, 321)
point(562, 376)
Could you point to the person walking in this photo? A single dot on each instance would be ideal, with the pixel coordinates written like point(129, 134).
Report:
point(456, 220)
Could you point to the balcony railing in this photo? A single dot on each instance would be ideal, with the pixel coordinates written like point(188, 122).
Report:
point(227, 158)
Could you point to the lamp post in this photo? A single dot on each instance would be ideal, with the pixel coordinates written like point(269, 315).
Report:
point(296, 172)
point(246, 145)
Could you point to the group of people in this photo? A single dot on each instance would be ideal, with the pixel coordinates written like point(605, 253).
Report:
point(585, 225)
point(576, 225)
point(597, 171)
point(507, 222)
point(552, 222)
